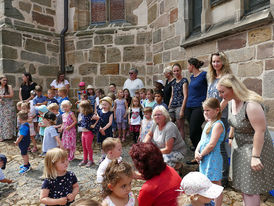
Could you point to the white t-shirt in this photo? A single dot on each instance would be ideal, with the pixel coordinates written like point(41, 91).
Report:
point(102, 168)
point(135, 118)
point(60, 85)
point(133, 85)
point(49, 141)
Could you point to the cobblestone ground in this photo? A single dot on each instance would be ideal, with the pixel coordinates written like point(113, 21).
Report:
point(25, 189)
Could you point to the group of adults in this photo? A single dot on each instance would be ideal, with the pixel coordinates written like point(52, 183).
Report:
point(7, 108)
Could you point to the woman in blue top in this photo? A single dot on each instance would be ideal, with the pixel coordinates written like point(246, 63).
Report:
point(178, 98)
point(197, 90)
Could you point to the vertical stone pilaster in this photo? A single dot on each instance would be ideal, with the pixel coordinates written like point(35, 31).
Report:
point(205, 16)
point(240, 9)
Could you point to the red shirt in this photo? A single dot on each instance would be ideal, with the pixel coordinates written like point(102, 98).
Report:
point(160, 190)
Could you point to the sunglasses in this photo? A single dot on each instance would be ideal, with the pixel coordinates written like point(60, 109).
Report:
point(130, 73)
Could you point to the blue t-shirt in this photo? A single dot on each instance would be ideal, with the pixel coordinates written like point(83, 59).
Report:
point(2, 176)
point(24, 130)
point(163, 104)
point(50, 101)
point(49, 141)
point(60, 102)
point(197, 90)
point(40, 99)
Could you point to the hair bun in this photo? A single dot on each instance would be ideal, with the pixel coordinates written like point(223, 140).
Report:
point(200, 64)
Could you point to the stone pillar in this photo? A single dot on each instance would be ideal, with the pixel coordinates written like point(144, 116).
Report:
point(240, 9)
point(205, 16)
point(272, 7)
point(185, 16)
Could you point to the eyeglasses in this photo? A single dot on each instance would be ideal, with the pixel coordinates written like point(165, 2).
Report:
point(130, 73)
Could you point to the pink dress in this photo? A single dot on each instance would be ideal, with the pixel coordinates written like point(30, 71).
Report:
point(69, 136)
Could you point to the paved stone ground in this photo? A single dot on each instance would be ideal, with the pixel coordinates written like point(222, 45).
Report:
point(25, 189)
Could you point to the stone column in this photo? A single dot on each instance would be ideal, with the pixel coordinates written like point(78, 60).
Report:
point(205, 16)
point(272, 7)
point(185, 16)
point(240, 9)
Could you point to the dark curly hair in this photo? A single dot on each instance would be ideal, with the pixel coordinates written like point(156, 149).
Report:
point(113, 175)
point(147, 159)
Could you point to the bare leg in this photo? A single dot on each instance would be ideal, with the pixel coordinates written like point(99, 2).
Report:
point(119, 133)
point(251, 200)
point(33, 142)
point(219, 200)
point(124, 134)
point(25, 159)
point(180, 125)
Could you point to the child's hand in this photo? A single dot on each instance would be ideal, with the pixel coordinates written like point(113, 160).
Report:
point(125, 116)
point(198, 157)
point(70, 197)
point(102, 132)
point(16, 143)
point(95, 117)
point(62, 201)
point(67, 128)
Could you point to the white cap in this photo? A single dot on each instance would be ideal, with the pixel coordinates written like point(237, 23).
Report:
point(160, 82)
point(197, 183)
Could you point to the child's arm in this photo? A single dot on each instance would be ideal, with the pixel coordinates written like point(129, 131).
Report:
point(136, 201)
point(45, 199)
point(126, 105)
point(75, 191)
point(57, 138)
point(6, 181)
point(148, 137)
point(74, 122)
point(215, 135)
point(198, 156)
point(93, 125)
point(18, 140)
point(114, 110)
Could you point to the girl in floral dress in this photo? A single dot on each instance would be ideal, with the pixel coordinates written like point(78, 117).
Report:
point(69, 129)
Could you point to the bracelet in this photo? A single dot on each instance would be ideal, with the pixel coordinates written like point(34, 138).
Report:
point(258, 157)
point(230, 137)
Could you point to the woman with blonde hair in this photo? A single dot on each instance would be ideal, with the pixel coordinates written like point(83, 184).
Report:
point(252, 149)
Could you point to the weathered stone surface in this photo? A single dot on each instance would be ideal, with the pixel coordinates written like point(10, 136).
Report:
point(162, 7)
point(42, 19)
point(74, 82)
point(103, 39)
point(88, 80)
point(241, 55)
point(69, 45)
point(25, 6)
point(84, 44)
point(101, 81)
point(97, 54)
point(8, 52)
point(259, 35)
point(269, 105)
point(10, 66)
point(10, 11)
point(22, 24)
point(173, 15)
point(268, 82)
point(265, 50)
point(32, 69)
point(43, 2)
point(152, 13)
point(157, 36)
point(11, 38)
point(232, 42)
point(50, 11)
point(158, 47)
point(149, 56)
point(170, 4)
point(52, 48)
point(11, 80)
point(125, 68)
point(109, 69)
point(34, 57)
point(144, 38)
point(250, 69)
point(118, 80)
point(161, 21)
point(134, 53)
point(140, 67)
point(158, 58)
point(87, 69)
point(37, 8)
point(35, 46)
point(169, 32)
point(75, 57)
point(46, 70)
point(53, 61)
point(113, 55)
point(124, 40)
point(202, 49)
point(172, 43)
point(269, 64)
point(166, 56)
point(254, 85)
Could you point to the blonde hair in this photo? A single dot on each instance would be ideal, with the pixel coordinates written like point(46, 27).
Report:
point(64, 90)
point(211, 74)
point(25, 104)
point(19, 104)
point(52, 157)
point(239, 89)
point(23, 115)
point(213, 103)
point(168, 69)
point(86, 202)
point(53, 106)
point(86, 107)
point(66, 102)
point(139, 103)
point(183, 199)
point(162, 109)
point(109, 143)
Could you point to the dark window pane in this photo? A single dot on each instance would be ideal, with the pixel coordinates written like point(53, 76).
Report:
point(197, 10)
point(255, 5)
point(216, 2)
point(117, 10)
point(98, 11)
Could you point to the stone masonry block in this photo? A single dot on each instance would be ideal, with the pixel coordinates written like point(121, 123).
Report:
point(11, 38)
point(97, 54)
point(118, 80)
point(158, 47)
point(69, 45)
point(134, 53)
point(10, 66)
point(157, 36)
point(269, 105)
point(9, 53)
point(254, 84)
point(43, 19)
point(10, 11)
point(241, 55)
point(124, 40)
point(101, 81)
point(24, 6)
point(232, 42)
point(169, 32)
point(170, 4)
point(84, 44)
point(34, 57)
point(268, 82)
point(144, 38)
point(269, 64)
point(250, 69)
point(88, 80)
point(74, 82)
point(259, 35)
point(166, 56)
point(88, 69)
point(265, 50)
point(35, 46)
point(173, 15)
point(43, 2)
point(109, 69)
point(206, 48)
point(161, 21)
point(152, 13)
point(75, 57)
point(52, 48)
point(172, 43)
point(103, 39)
point(113, 55)
point(158, 58)
point(46, 70)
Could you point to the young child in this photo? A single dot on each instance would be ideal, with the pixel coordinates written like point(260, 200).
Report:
point(25, 106)
point(82, 90)
point(18, 107)
point(3, 162)
point(91, 96)
point(41, 110)
point(137, 94)
point(60, 186)
point(142, 92)
point(117, 185)
point(146, 123)
point(89, 126)
point(198, 190)
point(68, 128)
point(149, 102)
point(159, 85)
point(208, 152)
point(159, 95)
point(51, 137)
point(51, 97)
point(23, 141)
point(54, 108)
point(86, 202)
point(39, 99)
point(120, 113)
point(62, 93)
point(135, 117)
point(112, 147)
point(84, 96)
point(33, 111)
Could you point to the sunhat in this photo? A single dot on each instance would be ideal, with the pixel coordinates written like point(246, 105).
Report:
point(82, 84)
point(107, 99)
point(160, 82)
point(90, 87)
point(42, 108)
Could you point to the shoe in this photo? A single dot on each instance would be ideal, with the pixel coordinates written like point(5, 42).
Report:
point(89, 164)
point(21, 166)
point(34, 149)
point(82, 163)
point(24, 170)
point(192, 162)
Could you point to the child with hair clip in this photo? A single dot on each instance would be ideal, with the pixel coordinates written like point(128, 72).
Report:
point(117, 185)
point(120, 113)
point(149, 102)
point(25, 106)
point(68, 128)
point(198, 190)
point(89, 126)
point(146, 123)
point(208, 152)
point(135, 117)
point(51, 137)
point(60, 186)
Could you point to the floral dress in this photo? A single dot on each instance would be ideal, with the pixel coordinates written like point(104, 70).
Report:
point(7, 113)
point(69, 136)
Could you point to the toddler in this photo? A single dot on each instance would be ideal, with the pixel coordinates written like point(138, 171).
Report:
point(54, 108)
point(146, 123)
point(112, 147)
point(62, 93)
point(3, 162)
point(41, 110)
point(198, 190)
point(91, 96)
point(51, 97)
point(135, 117)
point(60, 186)
point(82, 90)
point(39, 99)
point(117, 185)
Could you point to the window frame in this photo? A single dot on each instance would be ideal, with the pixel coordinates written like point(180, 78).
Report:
point(217, 2)
point(192, 30)
point(248, 10)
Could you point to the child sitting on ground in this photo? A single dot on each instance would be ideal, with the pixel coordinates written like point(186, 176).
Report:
point(3, 162)
point(113, 148)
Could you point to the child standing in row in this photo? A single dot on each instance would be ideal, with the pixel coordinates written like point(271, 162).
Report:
point(142, 96)
point(68, 128)
point(60, 186)
point(146, 123)
point(135, 117)
point(91, 96)
point(40, 99)
point(54, 108)
point(41, 110)
point(120, 114)
point(51, 95)
point(106, 116)
point(62, 93)
point(208, 152)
